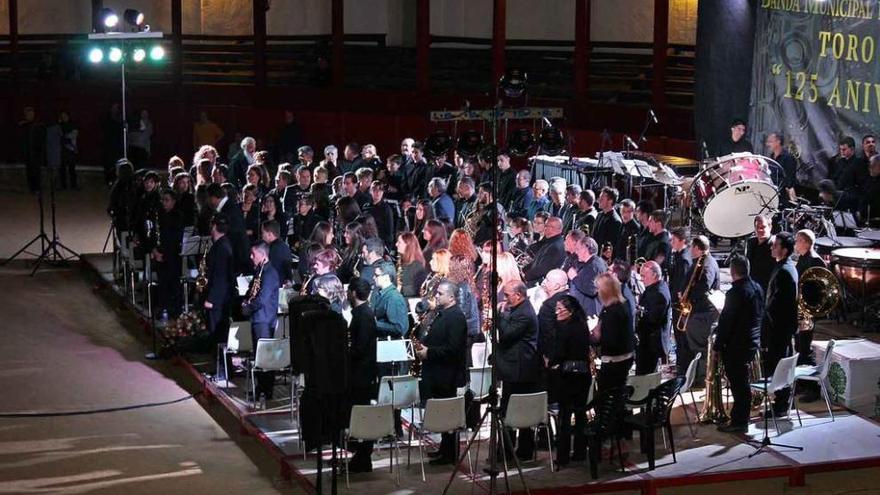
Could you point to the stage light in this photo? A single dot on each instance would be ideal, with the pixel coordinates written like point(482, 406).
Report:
point(157, 53)
point(513, 83)
point(133, 17)
point(438, 144)
point(96, 55)
point(115, 55)
point(108, 17)
point(138, 55)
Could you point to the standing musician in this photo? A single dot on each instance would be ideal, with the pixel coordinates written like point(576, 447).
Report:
point(569, 211)
point(737, 338)
point(583, 280)
point(549, 256)
point(219, 202)
point(652, 319)
point(388, 305)
point(411, 272)
point(679, 268)
point(780, 322)
point(737, 142)
point(166, 252)
point(484, 229)
point(761, 262)
point(426, 309)
point(442, 351)
point(382, 212)
point(659, 247)
point(784, 177)
point(324, 265)
point(220, 264)
point(807, 258)
point(279, 252)
point(613, 334)
point(703, 278)
point(522, 196)
point(363, 368)
point(585, 217)
point(516, 357)
point(627, 242)
point(372, 255)
point(261, 304)
point(609, 225)
point(555, 286)
point(572, 239)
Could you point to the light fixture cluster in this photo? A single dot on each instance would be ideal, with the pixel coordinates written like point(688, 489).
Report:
point(115, 54)
point(134, 20)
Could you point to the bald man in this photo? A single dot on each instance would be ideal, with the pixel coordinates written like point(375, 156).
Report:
point(653, 318)
point(555, 286)
point(549, 256)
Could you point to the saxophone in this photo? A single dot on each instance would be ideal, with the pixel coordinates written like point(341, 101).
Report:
point(427, 292)
point(472, 221)
point(415, 369)
point(202, 278)
point(304, 290)
point(685, 307)
point(256, 285)
point(486, 299)
point(400, 273)
point(713, 406)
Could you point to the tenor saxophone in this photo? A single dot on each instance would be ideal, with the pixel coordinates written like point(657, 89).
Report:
point(202, 278)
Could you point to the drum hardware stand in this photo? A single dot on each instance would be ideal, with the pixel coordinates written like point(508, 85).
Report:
point(760, 446)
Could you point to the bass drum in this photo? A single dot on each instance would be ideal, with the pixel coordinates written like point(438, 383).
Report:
point(731, 192)
point(859, 269)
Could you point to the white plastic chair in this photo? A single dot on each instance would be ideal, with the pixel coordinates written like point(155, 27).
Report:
point(238, 341)
point(689, 378)
point(372, 423)
point(529, 411)
point(442, 416)
point(783, 377)
point(817, 374)
point(480, 382)
point(271, 355)
point(402, 392)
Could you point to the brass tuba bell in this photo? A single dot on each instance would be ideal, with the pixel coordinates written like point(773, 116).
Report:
point(818, 295)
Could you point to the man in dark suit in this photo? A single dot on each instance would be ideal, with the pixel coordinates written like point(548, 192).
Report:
point(583, 279)
point(659, 247)
point(555, 285)
point(261, 303)
point(807, 258)
point(737, 338)
point(382, 212)
point(417, 171)
point(761, 262)
point(550, 255)
point(219, 202)
point(679, 268)
point(465, 201)
point(608, 224)
point(569, 211)
point(363, 369)
point(279, 252)
point(521, 198)
point(627, 242)
point(781, 314)
point(221, 279)
point(586, 214)
point(653, 319)
point(704, 315)
point(516, 356)
point(443, 355)
point(486, 230)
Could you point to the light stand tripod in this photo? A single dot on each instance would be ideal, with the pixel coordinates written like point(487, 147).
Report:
point(766, 442)
point(52, 248)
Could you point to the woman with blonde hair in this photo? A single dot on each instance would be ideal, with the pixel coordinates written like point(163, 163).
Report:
point(412, 271)
point(462, 244)
point(426, 309)
point(614, 333)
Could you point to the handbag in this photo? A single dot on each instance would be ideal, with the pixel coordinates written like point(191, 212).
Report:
point(575, 367)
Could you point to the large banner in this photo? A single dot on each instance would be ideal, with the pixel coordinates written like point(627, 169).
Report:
point(816, 76)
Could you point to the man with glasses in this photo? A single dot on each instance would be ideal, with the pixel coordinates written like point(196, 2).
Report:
point(389, 306)
point(522, 197)
point(541, 201)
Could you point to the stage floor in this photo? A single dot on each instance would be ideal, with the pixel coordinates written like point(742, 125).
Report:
point(850, 442)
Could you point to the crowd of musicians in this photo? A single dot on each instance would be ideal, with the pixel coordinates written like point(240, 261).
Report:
point(369, 235)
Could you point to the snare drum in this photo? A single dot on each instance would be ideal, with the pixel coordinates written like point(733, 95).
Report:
point(859, 269)
point(732, 191)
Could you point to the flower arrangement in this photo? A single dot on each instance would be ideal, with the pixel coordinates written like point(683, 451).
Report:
point(188, 324)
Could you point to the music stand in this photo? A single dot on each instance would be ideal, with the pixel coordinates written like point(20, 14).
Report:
point(844, 219)
point(394, 352)
point(191, 246)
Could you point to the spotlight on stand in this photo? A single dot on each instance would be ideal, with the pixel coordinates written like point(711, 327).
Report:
point(520, 142)
point(108, 18)
point(134, 18)
point(115, 55)
point(157, 53)
point(551, 141)
point(138, 55)
point(96, 55)
point(470, 143)
point(513, 83)
point(438, 144)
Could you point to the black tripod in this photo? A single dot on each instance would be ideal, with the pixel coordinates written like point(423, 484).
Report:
point(52, 248)
point(766, 442)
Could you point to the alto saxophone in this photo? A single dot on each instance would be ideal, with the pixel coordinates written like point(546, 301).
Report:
point(415, 369)
point(486, 299)
point(304, 290)
point(400, 273)
point(202, 278)
point(256, 285)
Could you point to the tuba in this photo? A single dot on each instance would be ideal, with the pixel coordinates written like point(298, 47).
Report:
point(713, 405)
point(818, 295)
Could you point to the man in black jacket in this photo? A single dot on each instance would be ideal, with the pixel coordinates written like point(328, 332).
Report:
point(659, 247)
point(781, 314)
point(221, 279)
point(363, 368)
point(653, 318)
point(549, 256)
point(261, 304)
point(279, 252)
point(238, 239)
point(704, 314)
point(627, 242)
point(737, 338)
point(383, 213)
point(555, 285)
point(516, 356)
point(166, 252)
point(521, 198)
point(761, 262)
point(807, 258)
point(608, 224)
point(443, 355)
point(679, 267)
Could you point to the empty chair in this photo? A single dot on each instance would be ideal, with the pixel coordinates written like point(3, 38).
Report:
point(655, 414)
point(238, 342)
point(783, 377)
point(372, 423)
point(610, 407)
point(529, 411)
point(271, 355)
point(441, 416)
point(817, 374)
point(402, 392)
point(690, 377)
point(642, 386)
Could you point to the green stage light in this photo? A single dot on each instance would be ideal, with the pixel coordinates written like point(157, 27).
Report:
point(115, 55)
point(157, 53)
point(96, 55)
point(138, 55)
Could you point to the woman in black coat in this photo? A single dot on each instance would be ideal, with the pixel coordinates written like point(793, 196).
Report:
point(571, 363)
